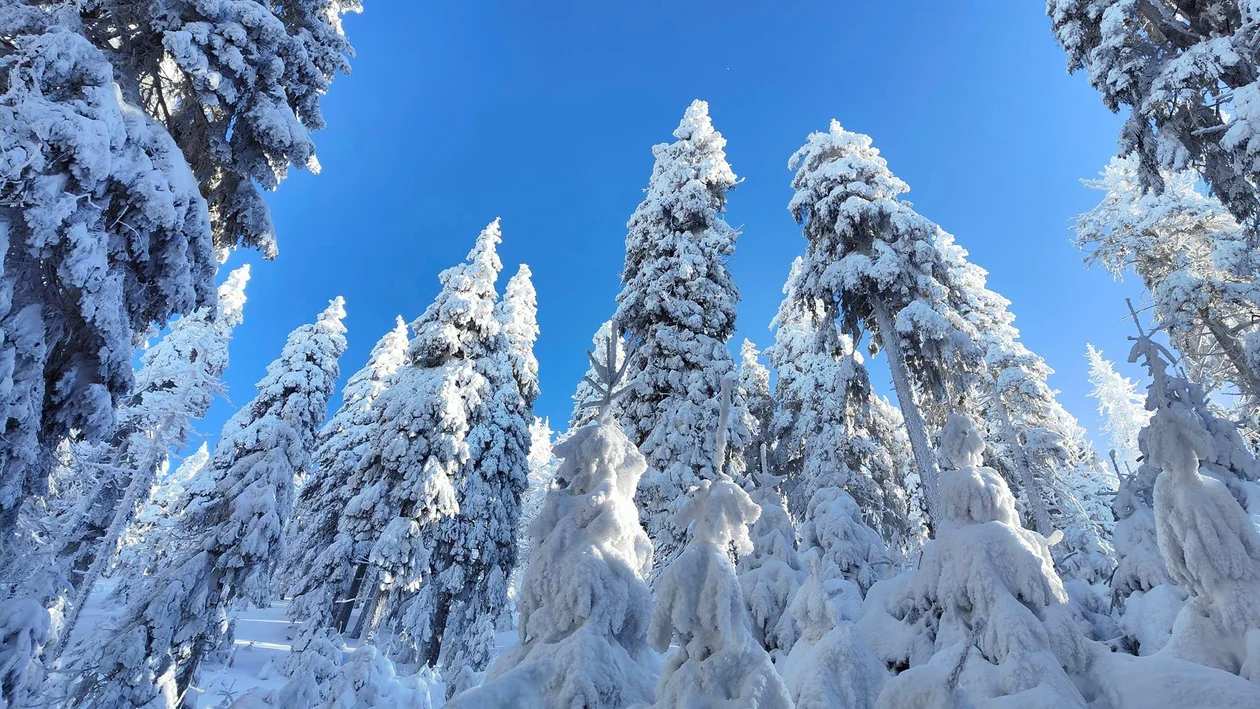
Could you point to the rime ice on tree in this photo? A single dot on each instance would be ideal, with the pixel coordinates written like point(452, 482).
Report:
point(678, 303)
point(984, 615)
point(154, 652)
point(584, 604)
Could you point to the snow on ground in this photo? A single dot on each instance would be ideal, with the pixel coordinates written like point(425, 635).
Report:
point(262, 644)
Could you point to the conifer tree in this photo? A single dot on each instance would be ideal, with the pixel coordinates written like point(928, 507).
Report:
point(421, 448)
point(106, 235)
point(754, 388)
point(153, 653)
point(771, 573)
point(178, 380)
point(149, 540)
point(872, 263)
point(584, 604)
point(1198, 264)
point(1210, 546)
point(1186, 74)
point(830, 428)
point(1121, 406)
point(678, 303)
point(700, 610)
point(320, 576)
point(477, 548)
point(517, 311)
point(984, 582)
point(237, 85)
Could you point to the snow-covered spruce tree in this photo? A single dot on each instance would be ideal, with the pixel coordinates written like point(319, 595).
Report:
point(476, 549)
point(584, 604)
point(678, 303)
point(543, 465)
point(178, 380)
point(1033, 441)
point(420, 448)
point(872, 262)
point(1186, 74)
point(517, 311)
point(1210, 546)
point(237, 84)
point(983, 583)
point(1121, 407)
point(320, 577)
point(700, 608)
point(831, 665)
point(1199, 266)
point(770, 574)
point(148, 542)
point(152, 654)
point(834, 537)
point(105, 235)
point(754, 388)
point(829, 429)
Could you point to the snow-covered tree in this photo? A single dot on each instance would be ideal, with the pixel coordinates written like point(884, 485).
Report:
point(830, 429)
point(149, 540)
point(700, 609)
point(984, 582)
point(754, 388)
point(834, 537)
point(1186, 75)
point(237, 84)
point(678, 303)
point(543, 464)
point(320, 575)
point(476, 549)
point(1033, 441)
point(584, 604)
point(153, 652)
point(1209, 545)
point(872, 262)
point(517, 311)
point(445, 472)
point(770, 574)
point(1121, 407)
point(831, 665)
point(1199, 266)
point(105, 235)
point(178, 380)
point(421, 448)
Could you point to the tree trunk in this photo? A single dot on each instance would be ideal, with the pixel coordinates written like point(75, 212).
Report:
point(924, 458)
point(1041, 516)
point(1247, 380)
point(343, 607)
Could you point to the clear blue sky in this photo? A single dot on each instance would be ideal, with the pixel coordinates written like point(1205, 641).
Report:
point(544, 114)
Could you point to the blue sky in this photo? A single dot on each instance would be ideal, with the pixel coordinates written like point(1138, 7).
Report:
point(544, 114)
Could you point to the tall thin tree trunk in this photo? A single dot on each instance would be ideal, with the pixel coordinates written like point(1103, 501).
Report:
point(1041, 516)
point(924, 458)
point(1247, 381)
point(343, 607)
point(101, 551)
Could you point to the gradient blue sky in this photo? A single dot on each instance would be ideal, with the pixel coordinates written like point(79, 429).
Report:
point(544, 114)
